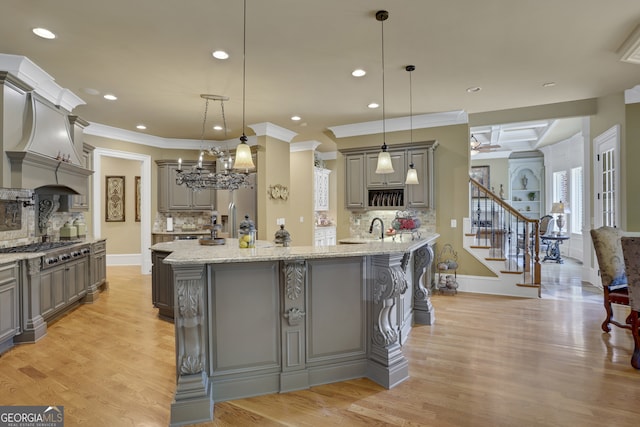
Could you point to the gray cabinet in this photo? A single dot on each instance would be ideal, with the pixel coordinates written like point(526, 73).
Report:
point(81, 202)
point(421, 195)
point(62, 286)
point(354, 180)
point(365, 189)
point(98, 264)
point(395, 179)
point(9, 308)
point(174, 197)
point(162, 285)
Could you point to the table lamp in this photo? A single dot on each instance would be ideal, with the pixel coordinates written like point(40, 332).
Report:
point(559, 209)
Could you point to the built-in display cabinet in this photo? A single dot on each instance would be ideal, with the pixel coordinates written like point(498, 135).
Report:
point(175, 197)
point(526, 178)
point(364, 189)
point(321, 188)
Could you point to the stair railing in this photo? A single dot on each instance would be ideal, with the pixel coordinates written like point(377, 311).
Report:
point(510, 236)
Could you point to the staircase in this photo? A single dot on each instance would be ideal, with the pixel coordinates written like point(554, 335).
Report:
point(506, 242)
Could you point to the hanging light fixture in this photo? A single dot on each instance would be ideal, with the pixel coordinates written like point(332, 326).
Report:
point(412, 173)
point(384, 159)
point(199, 179)
point(244, 159)
point(230, 178)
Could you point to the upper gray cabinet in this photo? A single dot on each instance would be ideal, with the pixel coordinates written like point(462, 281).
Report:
point(364, 189)
point(354, 181)
point(395, 179)
point(174, 197)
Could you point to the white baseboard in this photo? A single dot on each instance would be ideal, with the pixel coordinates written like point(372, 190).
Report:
point(124, 259)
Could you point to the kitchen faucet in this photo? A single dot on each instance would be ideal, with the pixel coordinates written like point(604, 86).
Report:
point(381, 227)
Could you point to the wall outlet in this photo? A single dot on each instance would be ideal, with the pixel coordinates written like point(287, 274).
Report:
point(454, 223)
point(301, 219)
point(279, 221)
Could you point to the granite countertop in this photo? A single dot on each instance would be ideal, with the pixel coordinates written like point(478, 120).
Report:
point(191, 252)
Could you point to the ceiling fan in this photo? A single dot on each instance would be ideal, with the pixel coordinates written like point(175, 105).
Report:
point(479, 147)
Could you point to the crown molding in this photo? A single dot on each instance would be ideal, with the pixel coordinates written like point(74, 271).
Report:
point(421, 121)
point(41, 82)
point(104, 131)
point(632, 96)
point(303, 146)
point(274, 131)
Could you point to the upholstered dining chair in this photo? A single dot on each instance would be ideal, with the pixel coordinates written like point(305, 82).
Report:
point(606, 242)
point(631, 252)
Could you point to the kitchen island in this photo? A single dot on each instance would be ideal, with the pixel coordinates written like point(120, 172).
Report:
point(277, 319)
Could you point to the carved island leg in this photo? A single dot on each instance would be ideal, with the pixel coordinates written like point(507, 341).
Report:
point(423, 313)
point(387, 365)
point(193, 401)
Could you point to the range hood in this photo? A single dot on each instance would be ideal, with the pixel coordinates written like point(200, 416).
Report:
point(43, 154)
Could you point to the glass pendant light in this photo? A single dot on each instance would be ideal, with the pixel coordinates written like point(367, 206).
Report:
point(243, 159)
point(384, 159)
point(412, 173)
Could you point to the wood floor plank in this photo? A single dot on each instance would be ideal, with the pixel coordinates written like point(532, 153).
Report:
point(487, 361)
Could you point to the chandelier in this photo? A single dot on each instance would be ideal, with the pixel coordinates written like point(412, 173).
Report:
point(229, 178)
point(232, 177)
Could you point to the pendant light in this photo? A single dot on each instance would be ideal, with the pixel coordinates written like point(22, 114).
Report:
point(384, 159)
point(243, 159)
point(412, 173)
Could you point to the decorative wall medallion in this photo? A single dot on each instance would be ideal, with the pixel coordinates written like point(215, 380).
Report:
point(278, 192)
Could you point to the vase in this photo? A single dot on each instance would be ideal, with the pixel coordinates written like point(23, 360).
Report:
point(525, 181)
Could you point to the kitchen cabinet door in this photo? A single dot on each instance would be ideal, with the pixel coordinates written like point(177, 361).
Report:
point(355, 184)
point(395, 179)
point(321, 188)
point(9, 308)
point(162, 285)
point(420, 195)
point(175, 197)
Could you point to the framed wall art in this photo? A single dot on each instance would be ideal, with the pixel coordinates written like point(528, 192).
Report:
point(480, 174)
point(114, 199)
point(137, 198)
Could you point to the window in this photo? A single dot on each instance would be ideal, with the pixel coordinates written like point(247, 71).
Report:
point(577, 212)
point(560, 187)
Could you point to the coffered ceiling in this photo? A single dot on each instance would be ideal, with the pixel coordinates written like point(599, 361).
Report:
point(155, 56)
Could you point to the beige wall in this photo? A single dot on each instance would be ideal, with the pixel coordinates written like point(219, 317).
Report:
point(301, 202)
point(119, 234)
point(273, 168)
point(498, 173)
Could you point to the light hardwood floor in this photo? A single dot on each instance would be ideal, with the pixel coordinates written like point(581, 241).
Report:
point(487, 361)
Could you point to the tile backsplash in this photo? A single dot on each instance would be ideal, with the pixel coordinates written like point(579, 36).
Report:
point(27, 231)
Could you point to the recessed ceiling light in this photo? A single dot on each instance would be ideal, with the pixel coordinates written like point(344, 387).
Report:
point(217, 127)
point(141, 127)
point(44, 33)
point(110, 97)
point(90, 91)
point(295, 118)
point(358, 73)
point(220, 54)
point(373, 105)
point(548, 84)
point(474, 89)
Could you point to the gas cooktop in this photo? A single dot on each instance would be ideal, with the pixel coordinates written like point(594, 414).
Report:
point(38, 247)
